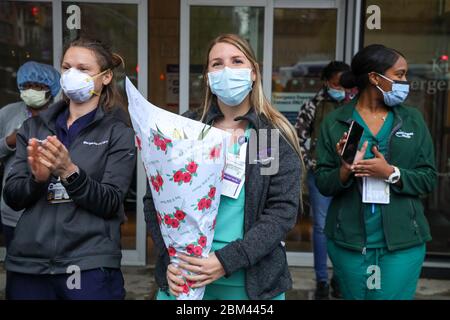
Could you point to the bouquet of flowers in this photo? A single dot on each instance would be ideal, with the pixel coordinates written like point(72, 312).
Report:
point(184, 161)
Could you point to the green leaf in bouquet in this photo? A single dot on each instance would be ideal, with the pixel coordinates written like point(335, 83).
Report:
point(204, 132)
point(159, 131)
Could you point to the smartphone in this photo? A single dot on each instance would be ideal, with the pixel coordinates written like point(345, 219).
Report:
point(351, 146)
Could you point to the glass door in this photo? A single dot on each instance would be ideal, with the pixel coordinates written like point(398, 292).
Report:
point(307, 35)
point(304, 42)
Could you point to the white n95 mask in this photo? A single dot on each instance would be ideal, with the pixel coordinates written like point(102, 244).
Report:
point(77, 85)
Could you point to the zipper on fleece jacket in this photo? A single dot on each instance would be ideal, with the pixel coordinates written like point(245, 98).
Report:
point(388, 155)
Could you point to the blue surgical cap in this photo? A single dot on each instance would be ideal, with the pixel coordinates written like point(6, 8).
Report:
point(32, 71)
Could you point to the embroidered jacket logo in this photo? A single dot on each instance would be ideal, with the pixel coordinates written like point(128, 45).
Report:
point(95, 143)
point(406, 135)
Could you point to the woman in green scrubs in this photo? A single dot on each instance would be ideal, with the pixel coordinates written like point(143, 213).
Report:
point(376, 242)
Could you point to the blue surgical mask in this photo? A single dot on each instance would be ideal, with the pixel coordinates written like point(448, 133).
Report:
point(231, 85)
point(398, 94)
point(337, 95)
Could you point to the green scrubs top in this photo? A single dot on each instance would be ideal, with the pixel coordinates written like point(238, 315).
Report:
point(230, 224)
point(372, 212)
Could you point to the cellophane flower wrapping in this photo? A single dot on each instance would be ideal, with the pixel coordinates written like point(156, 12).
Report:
point(185, 173)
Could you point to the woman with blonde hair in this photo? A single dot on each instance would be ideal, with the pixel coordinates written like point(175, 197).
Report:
point(248, 258)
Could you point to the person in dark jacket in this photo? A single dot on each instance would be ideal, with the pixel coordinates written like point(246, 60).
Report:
point(248, 258)
point(311, 114)
point(74, 164)
point(376, 227)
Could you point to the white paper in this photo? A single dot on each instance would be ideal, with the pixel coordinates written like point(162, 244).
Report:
point(375, 191)
point(234, 176)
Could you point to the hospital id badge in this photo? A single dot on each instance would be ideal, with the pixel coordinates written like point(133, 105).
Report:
point(56, 193)
point(375, 191)
point(234, 174)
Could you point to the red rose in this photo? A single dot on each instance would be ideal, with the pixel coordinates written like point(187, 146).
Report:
point(192, 167)
point(167, 141)
point(175, 223)
point(159, 180)
point(185, 289)
point(198, 251)
point(157, 141)
point(155, 185)
point(202, 241)
point(178, 176)
point(167, 219)
point(212, 192)
point(201, 204)
point(163, 146)
point(187, 177)
point(208, 203)
point(214, 153)
point(190, 249)
point(172, 251)
point(180, 215)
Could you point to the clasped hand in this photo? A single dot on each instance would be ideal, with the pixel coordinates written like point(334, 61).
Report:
point(50, 157)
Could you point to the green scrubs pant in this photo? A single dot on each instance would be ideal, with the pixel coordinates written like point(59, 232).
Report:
point(379, 274)
point(219, 292)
